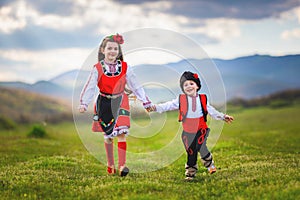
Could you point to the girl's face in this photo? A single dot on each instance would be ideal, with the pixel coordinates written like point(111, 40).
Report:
point(111, 52)
point(190, 88)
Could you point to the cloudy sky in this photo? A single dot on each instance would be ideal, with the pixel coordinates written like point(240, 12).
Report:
point(41, 39)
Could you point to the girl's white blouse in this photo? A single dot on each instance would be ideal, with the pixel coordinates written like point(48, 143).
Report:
point(89, 89)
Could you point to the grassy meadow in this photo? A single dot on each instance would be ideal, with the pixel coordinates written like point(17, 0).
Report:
point(257, 158)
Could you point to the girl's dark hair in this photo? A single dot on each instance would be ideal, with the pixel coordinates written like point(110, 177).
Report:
point(103, 45)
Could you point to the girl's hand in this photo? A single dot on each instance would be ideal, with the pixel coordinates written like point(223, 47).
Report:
point(151, 108)
point(228, 119)
point(82, 109)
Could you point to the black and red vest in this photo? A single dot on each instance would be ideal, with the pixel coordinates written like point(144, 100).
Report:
point(192, 125)
point(111, 84)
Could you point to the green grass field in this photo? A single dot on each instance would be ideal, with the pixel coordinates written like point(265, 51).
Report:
point(257, 158)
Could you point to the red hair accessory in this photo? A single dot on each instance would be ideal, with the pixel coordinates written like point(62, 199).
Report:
point(117, 38)
point(195, 75)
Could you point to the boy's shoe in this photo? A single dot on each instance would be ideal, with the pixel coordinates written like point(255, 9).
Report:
point(123, 171)
point(212, 169)
point(189, 178)
point(111, 170)
point(190, 172)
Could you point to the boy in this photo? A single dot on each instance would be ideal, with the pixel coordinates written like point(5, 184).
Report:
point(193, 109)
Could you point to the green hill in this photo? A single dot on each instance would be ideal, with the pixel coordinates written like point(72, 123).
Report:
point(26, 107)
point(257, 157)
point(275, 100)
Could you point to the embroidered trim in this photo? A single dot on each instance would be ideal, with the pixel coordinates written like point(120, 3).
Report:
point(147, 103)
point(107, 73)
point(118, 131)
point(108, 124)
point(124, 112)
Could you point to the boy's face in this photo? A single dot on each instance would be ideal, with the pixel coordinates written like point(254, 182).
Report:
point(190, 88)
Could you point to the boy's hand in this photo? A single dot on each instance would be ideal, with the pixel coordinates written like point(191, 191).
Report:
point(228, 119)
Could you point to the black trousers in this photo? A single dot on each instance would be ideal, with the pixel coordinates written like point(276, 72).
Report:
point(195, 143)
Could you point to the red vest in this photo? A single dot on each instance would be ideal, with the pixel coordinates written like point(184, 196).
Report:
point(111, 84)
point(192, 125)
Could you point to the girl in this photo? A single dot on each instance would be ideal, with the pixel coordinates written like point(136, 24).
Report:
point(193, 109)
point(111, 109)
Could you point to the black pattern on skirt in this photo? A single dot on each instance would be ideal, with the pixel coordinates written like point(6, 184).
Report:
point(107, 111)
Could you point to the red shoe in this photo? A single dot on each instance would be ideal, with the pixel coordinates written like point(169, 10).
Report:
point(111, 170)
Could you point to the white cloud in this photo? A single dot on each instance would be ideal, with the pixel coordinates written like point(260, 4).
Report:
point(109, 17)
point(19, 14)
point(8, 76)
point(106, 17)
point(158, 5)
point(220, 28)
point(58, 22)
point(297, 13)
point(12, 18)
point(42, 65)
point(161, 57)
point(291, 14)
point(291, 34)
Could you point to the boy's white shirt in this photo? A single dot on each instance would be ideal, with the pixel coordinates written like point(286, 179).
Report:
point(89, 89)
point(174, 105)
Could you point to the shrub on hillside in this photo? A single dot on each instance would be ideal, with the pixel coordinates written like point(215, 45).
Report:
point(58, 118)
point(37, 131)
point(276, 100)
point(25, 119)
point(6, 123)
point(279, 103)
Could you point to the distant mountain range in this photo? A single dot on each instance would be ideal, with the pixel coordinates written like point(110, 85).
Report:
point(243, 77)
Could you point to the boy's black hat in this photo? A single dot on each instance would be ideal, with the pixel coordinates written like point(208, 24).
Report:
point(187, 75)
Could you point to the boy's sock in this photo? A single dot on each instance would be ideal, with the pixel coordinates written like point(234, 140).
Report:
point(207, 160)
point(122, 146)
point(209, 163)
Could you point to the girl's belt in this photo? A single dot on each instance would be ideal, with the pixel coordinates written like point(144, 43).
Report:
point(111, 96)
